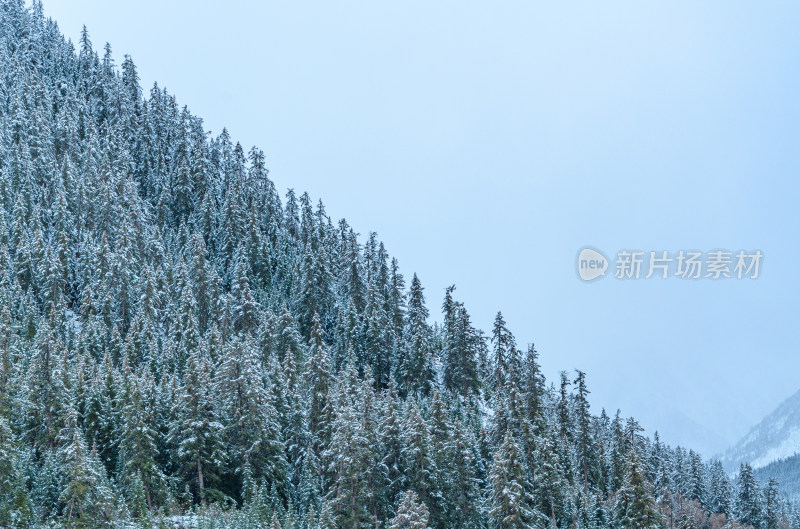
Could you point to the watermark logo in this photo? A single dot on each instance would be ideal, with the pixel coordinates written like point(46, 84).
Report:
point(682, 264)
point(591, 264)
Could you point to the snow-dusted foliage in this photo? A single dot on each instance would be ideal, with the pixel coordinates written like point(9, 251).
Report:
point(182, 347)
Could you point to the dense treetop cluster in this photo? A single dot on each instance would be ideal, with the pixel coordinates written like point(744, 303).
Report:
point(181, 344)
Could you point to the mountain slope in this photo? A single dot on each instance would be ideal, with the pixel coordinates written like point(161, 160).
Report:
point(776, 437)
point(175, 338)
point(786, 471)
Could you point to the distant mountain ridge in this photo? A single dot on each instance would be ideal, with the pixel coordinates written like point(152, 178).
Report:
point(786, 471)
point(775, 438)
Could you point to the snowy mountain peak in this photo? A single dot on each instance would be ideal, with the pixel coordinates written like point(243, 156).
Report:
point(776, 437)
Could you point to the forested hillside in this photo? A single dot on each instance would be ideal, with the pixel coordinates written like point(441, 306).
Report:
point(784, 471)
point(178, 338)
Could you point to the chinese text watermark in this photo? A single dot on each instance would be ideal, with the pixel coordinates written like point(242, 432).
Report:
point(663, 264)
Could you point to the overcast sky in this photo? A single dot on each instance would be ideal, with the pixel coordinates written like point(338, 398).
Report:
point(488, 142)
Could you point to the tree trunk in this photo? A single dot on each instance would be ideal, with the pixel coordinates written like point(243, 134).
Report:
point(147, 493)
point(200, 483)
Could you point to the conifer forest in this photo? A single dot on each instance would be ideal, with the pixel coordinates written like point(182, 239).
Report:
point(184, 345)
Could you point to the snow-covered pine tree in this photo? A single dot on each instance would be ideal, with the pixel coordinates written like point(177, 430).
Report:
point(748, 506)
point(635, 506)
point(249, 420)
point(138, 440)
point(460, 348)
point(719, 490)
point(87, 498)
point(411, 513)
point(346, 458)
point(511, 499)
point(415, 372)
point(197, 434)
point(15, 506)
point(418, 464)
point(504, 355)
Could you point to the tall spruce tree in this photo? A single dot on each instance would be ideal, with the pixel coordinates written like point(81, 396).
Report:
point(748, 498)
point(511, 499)
point(415, 372)
point(635, 506)
point(411, 514)
point(197, 434)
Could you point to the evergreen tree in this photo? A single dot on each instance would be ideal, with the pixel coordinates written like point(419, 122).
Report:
point(548, 476)
point(87, 498)
point(319, 381)
point(391, 444)
point(411, 514)
point(635, 506)
point(504, 354)
point(347, 458)
point(463, 488)
point(416, 374)
point(417, 458)
point(583, 436)
point(748, 498)
point(197, 434)
point(511, 500)
point(15, 507)
point(47, 397)
point(460, 349)
point(139, 440)
point(719, 490)
point(532, 385)
point(772, 498)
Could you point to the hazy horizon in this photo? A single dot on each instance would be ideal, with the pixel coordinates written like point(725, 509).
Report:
point(455, 128)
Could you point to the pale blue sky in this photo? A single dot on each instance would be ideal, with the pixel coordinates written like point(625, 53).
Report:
point(488, 142)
